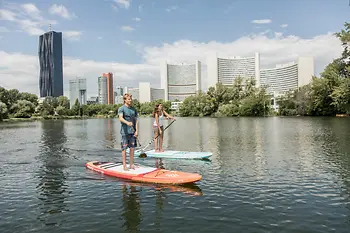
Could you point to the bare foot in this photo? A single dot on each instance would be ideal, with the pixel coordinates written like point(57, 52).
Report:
point(156, 150)
point(161, 150)
point(125, 169)
point(132, 166)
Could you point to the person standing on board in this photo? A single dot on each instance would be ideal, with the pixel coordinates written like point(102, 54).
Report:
point(158, 115)
point(128, 129)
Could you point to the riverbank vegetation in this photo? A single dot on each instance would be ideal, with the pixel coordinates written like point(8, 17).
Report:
point(22, 105)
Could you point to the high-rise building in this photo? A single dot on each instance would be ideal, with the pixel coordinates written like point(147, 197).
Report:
point(77, 90)
point(102, 90)
point(285, 77)
point(118, 95)
point(180, 81)
point(105, 89)
point(226, 70)
point(51, 64)
point(145, 93)
point(110, 89)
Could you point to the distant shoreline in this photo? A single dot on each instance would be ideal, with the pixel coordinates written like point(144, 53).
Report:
point(39, 118)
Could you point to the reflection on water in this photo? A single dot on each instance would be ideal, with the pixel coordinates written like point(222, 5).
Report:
point(110, 133)
point(131, 209)
point(52, 187)
point(276, 174)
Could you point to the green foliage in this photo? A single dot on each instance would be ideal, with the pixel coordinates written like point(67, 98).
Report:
point(23, 109)
point(3, 111)
point(240, 99)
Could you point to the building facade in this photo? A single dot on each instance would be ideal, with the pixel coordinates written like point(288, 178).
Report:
point(285, 77)
point(105, 89)
point(180, 81)
point(51, 64)
point(77, 90)
point(110, 89)
point(118, 95)
point(226, 70)
point(145, 93)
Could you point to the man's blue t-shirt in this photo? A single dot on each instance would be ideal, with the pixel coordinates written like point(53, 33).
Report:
point(129, 114)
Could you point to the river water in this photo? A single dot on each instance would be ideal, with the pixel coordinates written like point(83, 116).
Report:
point(275, 174)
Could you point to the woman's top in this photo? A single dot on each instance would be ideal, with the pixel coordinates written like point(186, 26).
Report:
point(160, 119)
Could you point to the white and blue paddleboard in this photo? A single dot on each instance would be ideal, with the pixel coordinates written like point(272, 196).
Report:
point(174, 154)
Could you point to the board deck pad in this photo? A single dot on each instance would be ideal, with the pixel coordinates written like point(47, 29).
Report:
point(144, 173)
point(119, 168)
point(176, 154)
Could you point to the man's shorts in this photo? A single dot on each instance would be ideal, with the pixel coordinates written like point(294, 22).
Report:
point(128, 141)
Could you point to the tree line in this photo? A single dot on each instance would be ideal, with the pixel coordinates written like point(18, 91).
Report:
point(15, 104)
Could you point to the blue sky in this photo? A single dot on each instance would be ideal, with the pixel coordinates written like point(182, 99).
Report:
point(181, 30)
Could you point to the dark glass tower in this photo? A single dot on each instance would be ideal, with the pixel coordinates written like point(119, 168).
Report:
point(51, 65)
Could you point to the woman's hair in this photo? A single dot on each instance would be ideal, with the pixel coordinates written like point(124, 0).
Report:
point(156, 110)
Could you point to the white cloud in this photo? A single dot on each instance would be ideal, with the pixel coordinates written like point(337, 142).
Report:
point(123, 3)
point(172, 8)
point(284, 25)
point(32, 11)
point(72, 35)
point(99, 37)
point(22, 71)
point(127, 28)
point(261, 21)
point(136, 19)
point(62, 11)
point(7, 15)
point(28, 18)
point(140, 8)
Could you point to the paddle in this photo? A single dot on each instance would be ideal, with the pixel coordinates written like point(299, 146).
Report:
point(143, 154)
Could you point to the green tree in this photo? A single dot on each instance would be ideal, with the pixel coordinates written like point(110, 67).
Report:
point(76, 108)
point(23, 109)
point(63, 101)
point(3, 111)
point(29, 97)
point(341, 97)
point(344, 36)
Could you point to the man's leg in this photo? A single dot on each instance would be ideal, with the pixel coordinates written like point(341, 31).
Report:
point(132, 141)
point(124, 144)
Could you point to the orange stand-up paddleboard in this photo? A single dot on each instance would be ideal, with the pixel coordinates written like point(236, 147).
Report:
point(143, 173)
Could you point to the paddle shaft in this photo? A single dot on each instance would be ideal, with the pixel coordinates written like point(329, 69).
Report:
point(157, 136)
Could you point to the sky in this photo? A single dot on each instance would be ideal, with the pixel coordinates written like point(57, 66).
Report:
point(130, 38)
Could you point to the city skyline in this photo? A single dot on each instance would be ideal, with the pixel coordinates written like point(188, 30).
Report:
point(131, 41)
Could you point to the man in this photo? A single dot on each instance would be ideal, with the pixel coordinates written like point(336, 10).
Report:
point(128, 129)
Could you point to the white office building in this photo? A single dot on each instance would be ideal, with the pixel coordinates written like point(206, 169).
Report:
point(118, 95)
point(102, 90)
point(145, 93)
point(77, 90)
point(226, 70)
point(180, 81)
point(285, 77)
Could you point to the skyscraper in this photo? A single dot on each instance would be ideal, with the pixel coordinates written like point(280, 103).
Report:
point(105, 89)
point(51, 64)
point(77, 90)
point(180, 81)
point(110, 89)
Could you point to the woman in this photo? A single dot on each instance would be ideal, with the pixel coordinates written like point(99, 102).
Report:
point(158, 115)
